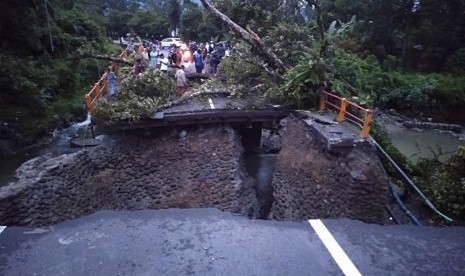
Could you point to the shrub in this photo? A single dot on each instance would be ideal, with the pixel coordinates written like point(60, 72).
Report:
point(456, 61)
point(408, 91)
point(444, 183)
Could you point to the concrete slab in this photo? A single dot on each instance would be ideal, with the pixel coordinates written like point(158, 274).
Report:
point(333, 134)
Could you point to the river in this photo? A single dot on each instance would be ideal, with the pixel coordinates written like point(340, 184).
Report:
point(56, 144)
point(416, 144)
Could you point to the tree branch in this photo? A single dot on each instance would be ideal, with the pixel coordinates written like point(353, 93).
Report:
point(319, 19)
point(250, 37)
point(267, 70)
point(104, 57)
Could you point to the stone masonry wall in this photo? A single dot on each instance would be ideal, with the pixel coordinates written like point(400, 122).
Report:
point(310, 182)
point(200, 169)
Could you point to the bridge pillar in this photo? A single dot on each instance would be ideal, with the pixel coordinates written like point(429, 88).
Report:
point(251, 137)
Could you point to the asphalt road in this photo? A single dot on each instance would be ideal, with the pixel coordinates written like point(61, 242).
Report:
point(210, 242)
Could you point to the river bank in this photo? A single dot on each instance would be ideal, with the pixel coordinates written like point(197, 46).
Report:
point(418, 139)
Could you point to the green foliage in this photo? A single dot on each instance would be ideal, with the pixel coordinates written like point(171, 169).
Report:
point(420, 91)
point(456, 61)
point(335, 32)
point(42, 88)
point(444, 183)
point(409, 91)
point(360, 79)
point(262, 15)
point(26, 83)
point(450, 90)
point(137, 98)
point(148, 24)
point(199, 25)
point(242, 71)
point(364, 81)
point(173, 9)
point(73, 30)
point(191, 23)
point(390, 63)
point(288, 40)
point(356, 78)
point(242, 67)
point(303, 79)
point(153, 83)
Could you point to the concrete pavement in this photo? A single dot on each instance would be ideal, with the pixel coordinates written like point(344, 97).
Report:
point(210, 242)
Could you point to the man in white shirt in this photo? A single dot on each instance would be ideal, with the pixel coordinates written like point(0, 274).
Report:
point(164, 62)
point(181, 81)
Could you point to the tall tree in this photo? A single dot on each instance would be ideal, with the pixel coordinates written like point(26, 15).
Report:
point(437, 33)
point(407, 8)
point(173, 9)
point(191, 21)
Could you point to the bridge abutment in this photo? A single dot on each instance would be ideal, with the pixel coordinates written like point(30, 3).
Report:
point(184, 169)
point(316, 178)
point(318, 174)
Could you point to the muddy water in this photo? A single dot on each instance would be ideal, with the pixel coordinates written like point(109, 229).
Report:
point(424, 144)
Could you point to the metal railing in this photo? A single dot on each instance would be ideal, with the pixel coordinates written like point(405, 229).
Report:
point(365, 121)
point(101, 86)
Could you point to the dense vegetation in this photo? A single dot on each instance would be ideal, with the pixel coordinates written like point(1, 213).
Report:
point(43, 74)
point(444, 182)
point(408, 55)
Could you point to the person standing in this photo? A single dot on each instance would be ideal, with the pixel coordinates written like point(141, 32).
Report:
point(198, 60)
point(112, 86)
point(164, 62)
point(137, 68)
point(210, 50)
point(141, 49)
point(181, 81)
point(154, 58)
point(130, 48)
point(149, 50)
point(206, 62)
point(221, 51)
point(214, 61)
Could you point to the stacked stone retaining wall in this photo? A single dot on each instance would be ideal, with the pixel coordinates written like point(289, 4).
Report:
point(198, 169)
point(312, 182)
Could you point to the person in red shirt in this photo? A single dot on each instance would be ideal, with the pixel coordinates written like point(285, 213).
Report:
point(136, 68)
point(141, 49)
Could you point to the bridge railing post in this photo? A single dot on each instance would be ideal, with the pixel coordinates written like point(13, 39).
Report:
point(98, 90)
point(90, 107)
point(342, 110)
point(323, 99)
point(105, 86)
point(366, 124)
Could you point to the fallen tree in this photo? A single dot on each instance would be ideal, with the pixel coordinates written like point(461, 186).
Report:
point(252, 38)
point(106, 57)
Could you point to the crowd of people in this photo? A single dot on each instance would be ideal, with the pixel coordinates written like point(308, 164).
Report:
point(202, 58)
point(196, 58)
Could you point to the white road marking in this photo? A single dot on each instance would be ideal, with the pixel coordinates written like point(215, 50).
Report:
point(211, 103)
point(346, 265)
point(2, 228)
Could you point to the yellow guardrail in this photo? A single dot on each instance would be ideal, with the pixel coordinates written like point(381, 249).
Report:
point(101, 86)
point(365, 121)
